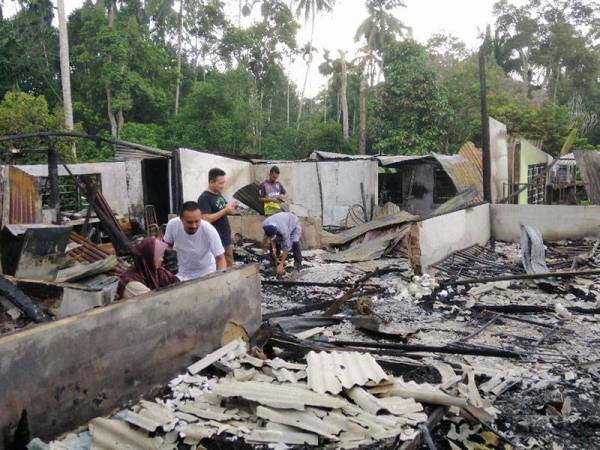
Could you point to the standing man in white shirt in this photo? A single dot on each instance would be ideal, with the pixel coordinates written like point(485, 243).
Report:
point(198, 245)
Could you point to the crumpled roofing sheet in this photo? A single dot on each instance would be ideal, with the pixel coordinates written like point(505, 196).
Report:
point(333, 371)
point(355, 232)
point(463, 173)
point(277, 396)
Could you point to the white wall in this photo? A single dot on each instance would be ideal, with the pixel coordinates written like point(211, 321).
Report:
point(135, 189)
point(499, 158)
point(443, 235)
point(555, 222)
point(340, 185)
point(301, 183)
point(112, 174)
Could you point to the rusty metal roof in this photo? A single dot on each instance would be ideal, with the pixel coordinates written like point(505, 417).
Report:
point(463, 173)
point(588, 162)
point(330, 372)
point(25, 203)
point(88, 252)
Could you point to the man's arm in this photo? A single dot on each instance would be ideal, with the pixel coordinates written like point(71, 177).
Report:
point(205, 207)
point(221, 262)
point(284, 195)
point(169, 237)
point(215, 216)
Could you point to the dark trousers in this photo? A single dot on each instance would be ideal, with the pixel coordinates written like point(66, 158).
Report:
point(296, 252)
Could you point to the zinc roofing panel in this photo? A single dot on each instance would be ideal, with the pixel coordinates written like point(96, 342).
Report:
point(330, 372)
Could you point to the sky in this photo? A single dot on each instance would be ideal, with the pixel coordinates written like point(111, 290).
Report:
point(463, 18)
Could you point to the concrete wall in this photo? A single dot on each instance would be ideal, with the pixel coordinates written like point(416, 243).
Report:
point(555, 222)
point(135, 189)
point(67, 372)
point(250, 227)
point(338, 190)
point(443, 235)
point(194, 173)
point(114, 182)
point(529, 155)
point(499, 158)
point(300, 180)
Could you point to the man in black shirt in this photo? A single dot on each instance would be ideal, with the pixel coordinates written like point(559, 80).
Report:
point(215, 210)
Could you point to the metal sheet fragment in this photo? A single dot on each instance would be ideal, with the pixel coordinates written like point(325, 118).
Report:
point(330, 372)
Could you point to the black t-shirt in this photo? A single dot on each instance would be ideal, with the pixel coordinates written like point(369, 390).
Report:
point(212, 203)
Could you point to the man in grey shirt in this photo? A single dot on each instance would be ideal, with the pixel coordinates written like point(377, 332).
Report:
point(284, 232)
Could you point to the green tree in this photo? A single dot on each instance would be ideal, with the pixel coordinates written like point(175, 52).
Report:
point(377, 31)
point(411, 109)
point(310, 9)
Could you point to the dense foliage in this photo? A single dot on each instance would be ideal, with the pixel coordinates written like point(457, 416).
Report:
point(235, 92)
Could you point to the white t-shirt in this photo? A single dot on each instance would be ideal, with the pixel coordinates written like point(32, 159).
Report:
point(195, 252)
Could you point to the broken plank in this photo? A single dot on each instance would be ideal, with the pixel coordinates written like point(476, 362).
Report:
point(213, 357)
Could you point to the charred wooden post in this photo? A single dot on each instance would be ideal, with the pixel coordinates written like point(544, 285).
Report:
point(53, 179)
point(485, 121)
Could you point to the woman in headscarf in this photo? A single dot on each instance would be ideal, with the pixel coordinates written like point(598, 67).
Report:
point(147, 272)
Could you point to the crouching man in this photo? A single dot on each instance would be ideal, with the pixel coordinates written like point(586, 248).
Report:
point(198, 245)
point(283, 232)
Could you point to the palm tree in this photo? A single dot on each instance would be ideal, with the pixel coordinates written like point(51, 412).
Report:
point(377, 30)
point(179, 37)
point(310, 9)
point(65, 70)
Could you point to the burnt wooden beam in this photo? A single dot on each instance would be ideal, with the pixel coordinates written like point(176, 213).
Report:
point(525, 309)
point(521, 276)
point(53, 179)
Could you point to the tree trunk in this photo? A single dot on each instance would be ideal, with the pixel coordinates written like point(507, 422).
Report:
point(344, 98)
point(114, 130)
point(288, 101)
point(362, 139)
point(308, 64)
point(179, 33)
point(65, 70)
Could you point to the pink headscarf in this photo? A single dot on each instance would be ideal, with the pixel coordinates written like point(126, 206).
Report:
point(147, 267)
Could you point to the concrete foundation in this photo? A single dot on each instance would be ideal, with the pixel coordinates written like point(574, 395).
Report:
point(555, 222)
point(250, 227)
point(66, 372)
point(442, 235)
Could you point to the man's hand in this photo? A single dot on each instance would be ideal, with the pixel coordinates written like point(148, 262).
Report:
point(231, 207)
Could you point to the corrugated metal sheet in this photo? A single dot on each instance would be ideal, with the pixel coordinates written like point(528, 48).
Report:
point(331, 156)
point(330, 372)
point(401, 159)
point(388, 221)
point(128, 150)
point(588, 162)
point(371, 249)
point(88, 252)
point(108, 434)
point(567, 160)
point(248, 195)
point(473, 155)
point(25, 202)
point(277, 396)
point(463, 173)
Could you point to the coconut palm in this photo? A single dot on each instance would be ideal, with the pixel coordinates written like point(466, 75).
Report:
point(377, 30)
point(309, 9)
point(65, 71)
